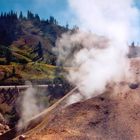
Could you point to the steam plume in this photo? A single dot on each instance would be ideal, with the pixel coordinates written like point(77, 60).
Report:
point(98, 60)
point(118, 20)
point(28, 106)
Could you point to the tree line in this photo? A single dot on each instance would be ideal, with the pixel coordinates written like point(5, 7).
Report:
point(30, 16)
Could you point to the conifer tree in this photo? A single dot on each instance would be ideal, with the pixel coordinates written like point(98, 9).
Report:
point(20, 15)
point(40, 50)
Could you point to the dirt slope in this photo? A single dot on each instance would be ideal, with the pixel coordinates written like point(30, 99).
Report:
point(105, 117)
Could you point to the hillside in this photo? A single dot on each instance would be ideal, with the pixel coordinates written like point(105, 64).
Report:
point(26, 44)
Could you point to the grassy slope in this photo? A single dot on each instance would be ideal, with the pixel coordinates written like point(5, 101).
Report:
point(30, 71)
point(23, 54)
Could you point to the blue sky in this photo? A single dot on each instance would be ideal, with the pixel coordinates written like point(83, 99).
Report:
point(57, 8)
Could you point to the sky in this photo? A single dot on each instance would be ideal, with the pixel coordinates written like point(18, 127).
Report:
point(45, 8)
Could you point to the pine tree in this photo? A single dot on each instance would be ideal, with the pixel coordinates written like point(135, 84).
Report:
point(30, 15)
point(52, 20)
point(133, 44)
point(8, 56)
point(47, 21)
point(40, 50)
point(20, 15)
point(37, 17)
point(67, 26)
point(1, 16)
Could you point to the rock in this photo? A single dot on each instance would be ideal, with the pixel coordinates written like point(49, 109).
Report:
point(22, 137)
point(133, 85)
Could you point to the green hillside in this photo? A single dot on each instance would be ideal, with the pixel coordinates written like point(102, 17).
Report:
point(26, 44)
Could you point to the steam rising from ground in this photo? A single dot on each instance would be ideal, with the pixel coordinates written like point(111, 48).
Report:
point(28, 106)
point(97, 60)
